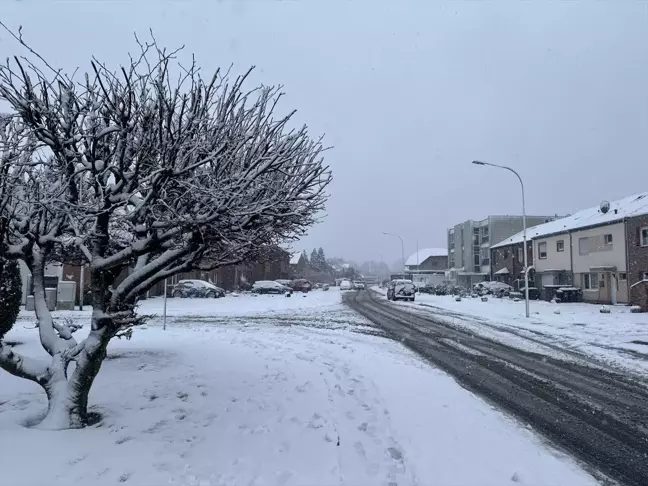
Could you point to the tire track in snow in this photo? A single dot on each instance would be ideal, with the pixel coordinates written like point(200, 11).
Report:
point(596, 415)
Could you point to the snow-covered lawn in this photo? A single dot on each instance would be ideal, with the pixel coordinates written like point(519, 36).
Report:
point(256, 400)
point(619, 337)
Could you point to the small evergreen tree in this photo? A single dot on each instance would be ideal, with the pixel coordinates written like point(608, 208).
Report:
point(321, 258)
point(314, 262)
point(10, 294)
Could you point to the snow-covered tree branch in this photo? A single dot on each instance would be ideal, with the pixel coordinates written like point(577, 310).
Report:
point(149, 169)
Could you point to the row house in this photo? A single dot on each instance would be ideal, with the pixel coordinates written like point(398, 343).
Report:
point(603, 250)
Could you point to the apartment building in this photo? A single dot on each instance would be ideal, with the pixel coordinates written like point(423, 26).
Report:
point(469, 245)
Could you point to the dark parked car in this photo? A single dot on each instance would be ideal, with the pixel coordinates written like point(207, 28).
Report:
point(269, 287)
point(401, 290)
point(197, 289)
point(301, 285)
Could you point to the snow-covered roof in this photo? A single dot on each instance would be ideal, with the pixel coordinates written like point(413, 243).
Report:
point(294, 258)
point(636, 205)
point(423, 254)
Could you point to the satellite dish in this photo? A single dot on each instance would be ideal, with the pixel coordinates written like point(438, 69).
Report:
point(605, 207)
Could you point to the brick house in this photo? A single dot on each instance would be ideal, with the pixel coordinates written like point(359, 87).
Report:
point(273, 265)
point(298, 264)
point(636, 230)
point(507, 261)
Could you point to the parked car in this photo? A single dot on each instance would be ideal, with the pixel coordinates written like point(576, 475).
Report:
point(197, 289)
point(427, 289)
point(269, 287)
point(401, 290)
point(346, 285)
point(301, 285)
point(359, 285)
point(325, 287)
point(284, 281)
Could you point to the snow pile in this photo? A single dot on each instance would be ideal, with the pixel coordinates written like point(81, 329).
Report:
point(493, 286)
point(256, 404)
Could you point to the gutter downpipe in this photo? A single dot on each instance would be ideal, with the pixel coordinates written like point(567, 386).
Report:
point(627, 260)
point(571, 258)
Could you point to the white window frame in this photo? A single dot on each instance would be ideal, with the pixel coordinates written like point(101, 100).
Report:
point(605, 239)
point(643, 239)
point(560, 248)
point(540, 244)
point(582, 251)
point(590, 281)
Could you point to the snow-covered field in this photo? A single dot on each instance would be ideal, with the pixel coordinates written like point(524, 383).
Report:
point(620, 337)
point(269, 391)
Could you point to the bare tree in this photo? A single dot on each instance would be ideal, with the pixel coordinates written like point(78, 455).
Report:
point(143, 170)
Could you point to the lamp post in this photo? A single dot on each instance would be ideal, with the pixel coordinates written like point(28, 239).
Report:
point(402, 249)
point(524, 235)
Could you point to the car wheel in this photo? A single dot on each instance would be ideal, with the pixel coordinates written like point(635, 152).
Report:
point(211, 295)
point(177, 294)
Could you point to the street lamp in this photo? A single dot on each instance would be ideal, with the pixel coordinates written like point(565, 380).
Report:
point(524, 235)
point(402, 249)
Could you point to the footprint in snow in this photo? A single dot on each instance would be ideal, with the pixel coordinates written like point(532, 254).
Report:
point(395, 453)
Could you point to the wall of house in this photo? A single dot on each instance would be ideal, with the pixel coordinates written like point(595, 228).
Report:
point(601, 255)
point(434, 263)
point(637, 257)
point(511, 258)
point(502, 227)
point(556, 260)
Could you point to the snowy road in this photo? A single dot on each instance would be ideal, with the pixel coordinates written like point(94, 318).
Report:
point(597, 415)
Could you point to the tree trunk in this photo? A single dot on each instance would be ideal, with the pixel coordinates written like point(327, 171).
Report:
point(62, 413)
point(68, 397)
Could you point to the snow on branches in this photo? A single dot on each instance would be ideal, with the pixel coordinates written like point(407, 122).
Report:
point(147, 170)
point(141, 169)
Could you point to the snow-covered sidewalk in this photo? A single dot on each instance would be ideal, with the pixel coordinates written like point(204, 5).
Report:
point(255, 400)
point(620, 337)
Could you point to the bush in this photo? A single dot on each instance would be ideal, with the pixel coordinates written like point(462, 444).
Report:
point(10, 294)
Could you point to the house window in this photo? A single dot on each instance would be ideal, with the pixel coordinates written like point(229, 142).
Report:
point(602, 281)
point(560, 245)
point(505, 254)
point(645, 276)
point(583, 246)
point(590, 281)
point(520, 255)
point(607, 240)
point(542, 250)
point(623, 276)
point(644, 237)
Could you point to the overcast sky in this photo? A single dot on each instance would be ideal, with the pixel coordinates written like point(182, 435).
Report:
point(408, 93)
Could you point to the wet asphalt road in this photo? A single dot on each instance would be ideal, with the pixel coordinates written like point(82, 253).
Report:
point(597, 415)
